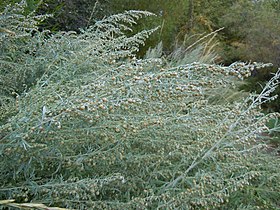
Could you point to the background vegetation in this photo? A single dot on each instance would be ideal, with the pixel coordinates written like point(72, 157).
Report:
point(86, 124)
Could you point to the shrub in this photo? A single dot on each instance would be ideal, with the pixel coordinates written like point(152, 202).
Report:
point(100, 129)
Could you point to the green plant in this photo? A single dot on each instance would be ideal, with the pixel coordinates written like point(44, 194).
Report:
point(100, 129)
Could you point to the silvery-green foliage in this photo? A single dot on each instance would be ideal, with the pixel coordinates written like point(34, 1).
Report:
point(15, 23)
point(28, 55)
point(156, 52)
point(17, 50)
point(101, 129)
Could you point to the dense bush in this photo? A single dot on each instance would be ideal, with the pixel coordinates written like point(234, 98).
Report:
point(97, 128)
